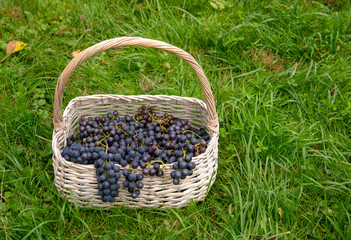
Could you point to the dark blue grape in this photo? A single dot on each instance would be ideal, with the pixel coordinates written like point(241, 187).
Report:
point(100, 171)
point(172, 159)
point(107, 191)
point(114, 193)
point(126, 172)
point(176, 166)
point(84, 156)
point(185, 172)
point(152, 172)
point(116, 168)
point(156, 166)
point(132, 177)
point(134, 195)
point(135, 164)
point(146, 171)
point(95, 156)
point(147, 141)
point(124, 163)
point(113, 187)
point(106, 184)
point(117, 157)
point(142, 164)
point(108, 165)
point(140, 177)
point(183, 164)
point(125, 183)
point(187, 158)
point(111, 173)
point(118, 175)
point(102, 178)
point(177, 174)
point(112, 149)
point(191, 165)
point(140, 185)
point(159, 173)
point(109, 115)
point(112, 180)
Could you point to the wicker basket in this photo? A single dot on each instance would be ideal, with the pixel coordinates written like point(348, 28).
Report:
point(78, 183)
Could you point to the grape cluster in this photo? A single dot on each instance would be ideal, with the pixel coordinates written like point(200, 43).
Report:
point(133, 182)
point(145, 140)
point(107, 176)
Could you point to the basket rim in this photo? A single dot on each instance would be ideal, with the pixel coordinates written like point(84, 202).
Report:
point(138, 95)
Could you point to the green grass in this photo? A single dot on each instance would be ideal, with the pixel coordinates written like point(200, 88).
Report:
point(280, 72)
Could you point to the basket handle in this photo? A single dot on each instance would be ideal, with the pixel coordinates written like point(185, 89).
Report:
point(133, 41)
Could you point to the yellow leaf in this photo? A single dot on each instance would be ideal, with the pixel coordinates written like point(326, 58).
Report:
point(14, 46)
point(75, 52)
point(19, 46)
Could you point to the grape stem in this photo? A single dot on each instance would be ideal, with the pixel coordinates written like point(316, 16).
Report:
point(117, 127)
point(184, 152)
point(135, 119)
point(192, 132)
point(106, 146)
point(107, 136)
point(158, 161)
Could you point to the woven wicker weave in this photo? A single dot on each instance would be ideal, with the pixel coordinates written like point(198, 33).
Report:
point(78, 182)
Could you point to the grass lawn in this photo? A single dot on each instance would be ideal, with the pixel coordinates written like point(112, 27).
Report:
point(280, 72)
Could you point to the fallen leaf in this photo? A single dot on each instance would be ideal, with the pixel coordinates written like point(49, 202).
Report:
point(13, 46)
point(10, 46)
point(75, 52)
